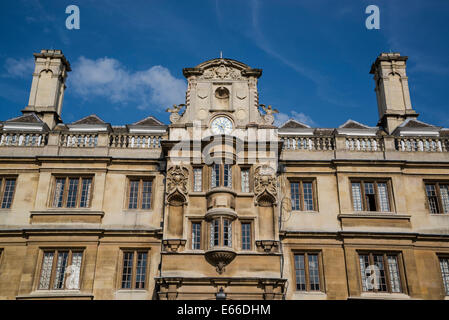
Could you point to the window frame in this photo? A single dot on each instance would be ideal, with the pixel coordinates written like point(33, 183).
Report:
point(438, 195)
point(221, 175)
point(246, 168)
point(193, 178)
point(192, 222)
point(141, 179)
point(385, 254)
point(55, 252)
point(251, 233)
point(445, 286)
point(66, 191)
point(321, 279)
point(135, 252)
point(375, 181)
point(220, 232)
point(3, 187)
point(301, 182)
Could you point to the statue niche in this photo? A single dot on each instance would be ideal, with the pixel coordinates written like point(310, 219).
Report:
point(222, 98)
point(177, 179)
point(265, 190)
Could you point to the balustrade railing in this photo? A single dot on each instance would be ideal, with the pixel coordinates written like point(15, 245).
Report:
point(364, 144)
point(78, 140)
point(134, 141)
point(15, 139)
point(422, 144)
point(309, 143)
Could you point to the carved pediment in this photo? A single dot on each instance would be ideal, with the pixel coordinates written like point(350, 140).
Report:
point(222, 69)
point(222, 72)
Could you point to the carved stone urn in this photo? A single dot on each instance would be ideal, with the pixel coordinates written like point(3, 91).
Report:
point(220, 257)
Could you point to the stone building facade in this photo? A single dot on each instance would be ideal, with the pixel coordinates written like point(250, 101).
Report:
point(221, 202)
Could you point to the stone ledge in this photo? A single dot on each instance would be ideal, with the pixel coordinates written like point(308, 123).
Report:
point(66, 216)
point(382, 296)
point(375, 220)
point(56, 295)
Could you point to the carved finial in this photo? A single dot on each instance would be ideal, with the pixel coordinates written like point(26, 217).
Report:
point(221, 54)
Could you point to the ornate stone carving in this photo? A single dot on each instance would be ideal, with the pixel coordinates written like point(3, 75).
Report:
point(173, 245)
point(267, 245)
point(177, 178)
point(220, 258)
point(222, 72)
point(268, 117)
point(175, 116)
point(265, 185)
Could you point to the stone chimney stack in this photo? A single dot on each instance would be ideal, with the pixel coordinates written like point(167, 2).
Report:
point(393, 95)
point(47, 88)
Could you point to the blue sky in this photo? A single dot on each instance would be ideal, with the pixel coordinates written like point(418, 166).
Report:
point(127, 57)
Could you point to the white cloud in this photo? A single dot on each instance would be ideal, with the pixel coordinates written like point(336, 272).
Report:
point(106, 77)
point(19, 68)
point(281, 118)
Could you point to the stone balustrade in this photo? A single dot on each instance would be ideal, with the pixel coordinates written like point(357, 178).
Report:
point(364, 144)
point(422, 144)
point(310, 143)
point(134, 141)
point(20, 139)
point(78, 140)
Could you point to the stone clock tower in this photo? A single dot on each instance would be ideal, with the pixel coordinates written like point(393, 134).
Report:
point(221, 202)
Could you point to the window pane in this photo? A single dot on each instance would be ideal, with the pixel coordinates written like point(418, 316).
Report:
point(146, 194)
point(245, 180)
point(432, 197)
point(47, 264)
point(295, 196)
point(393, 269)
point(379, 262)
point(8, 194)
point(61, 266)
point(246, 236)
point(370, 196)
point(133, 194)
point(227, 233)
point(141, 270)
point(308, 196)
point(197, 179)
point(300, 272)
point(383, 197)
point(72, 192)
point(196, 236)
point(444, 264)
point(214, 233)
point(59, 192)
point(127, 269)
point(314, 276)
point(364, 263)
point(215, 176)
point(73, 281)
point(357, 196)
point(444, 190)
point(85, 192)
point(227, 176)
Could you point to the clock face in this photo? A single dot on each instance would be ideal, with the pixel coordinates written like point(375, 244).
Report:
point(221, 125)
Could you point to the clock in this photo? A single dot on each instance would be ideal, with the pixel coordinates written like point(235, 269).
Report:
point(221, 125)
